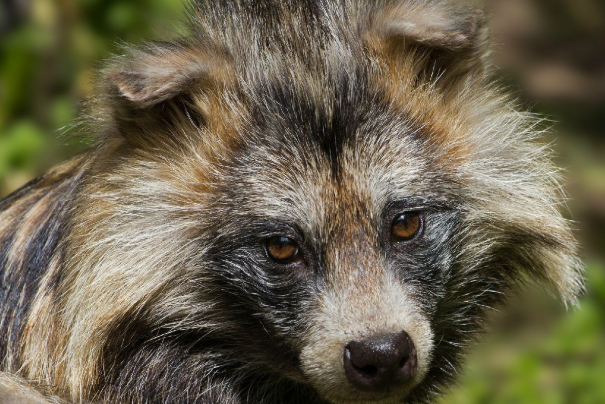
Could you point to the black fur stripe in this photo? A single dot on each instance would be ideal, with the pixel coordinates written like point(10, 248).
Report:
point(23, 266)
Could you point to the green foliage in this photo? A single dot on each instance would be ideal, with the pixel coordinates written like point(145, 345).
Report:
point(21, 147)
point(47, 64)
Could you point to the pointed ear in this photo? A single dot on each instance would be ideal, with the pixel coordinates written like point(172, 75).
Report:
point(160, 72)
point(450, 39)
point(149, 89)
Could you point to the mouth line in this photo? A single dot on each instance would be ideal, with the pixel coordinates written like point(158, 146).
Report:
point(388, 397)
point(384, 400)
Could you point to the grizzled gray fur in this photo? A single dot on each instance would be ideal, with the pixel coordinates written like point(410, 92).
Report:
point(301, 202)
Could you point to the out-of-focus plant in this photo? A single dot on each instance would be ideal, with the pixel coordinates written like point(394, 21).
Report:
point(48, 54)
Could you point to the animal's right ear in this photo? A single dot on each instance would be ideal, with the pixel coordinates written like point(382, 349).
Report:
point(149, 86)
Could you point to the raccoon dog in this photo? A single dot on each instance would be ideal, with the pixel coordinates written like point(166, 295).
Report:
point(311, 201)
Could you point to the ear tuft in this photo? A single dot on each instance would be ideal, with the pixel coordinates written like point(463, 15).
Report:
point(440, 28)
point(161, 72)
point(145, 91)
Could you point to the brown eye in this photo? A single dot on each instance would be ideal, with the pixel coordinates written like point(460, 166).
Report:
point(406, 226)
point(283, 250)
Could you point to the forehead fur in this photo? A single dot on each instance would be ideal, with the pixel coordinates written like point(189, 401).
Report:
point(323, 64)
point(308, 69)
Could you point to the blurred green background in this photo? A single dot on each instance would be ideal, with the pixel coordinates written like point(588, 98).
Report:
point(550, 52)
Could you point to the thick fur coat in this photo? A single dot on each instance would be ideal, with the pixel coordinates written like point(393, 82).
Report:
point(139, 272)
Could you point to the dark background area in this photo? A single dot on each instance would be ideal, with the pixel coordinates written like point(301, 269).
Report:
point(551, 53)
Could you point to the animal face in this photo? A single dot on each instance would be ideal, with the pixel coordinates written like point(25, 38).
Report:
point(358, 236)
point(346, 236)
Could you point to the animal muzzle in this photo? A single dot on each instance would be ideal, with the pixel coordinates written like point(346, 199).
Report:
point(371, 345)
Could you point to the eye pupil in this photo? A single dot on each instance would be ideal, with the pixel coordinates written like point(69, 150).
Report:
point(283, 250)
point(406, 226)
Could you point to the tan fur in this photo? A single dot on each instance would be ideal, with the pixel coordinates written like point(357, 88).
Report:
point(14, 390)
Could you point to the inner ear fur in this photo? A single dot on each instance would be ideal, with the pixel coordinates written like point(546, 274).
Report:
point(151, 86)
point(447, 40)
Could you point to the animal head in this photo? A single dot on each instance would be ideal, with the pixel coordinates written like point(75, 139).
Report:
point(330, 194)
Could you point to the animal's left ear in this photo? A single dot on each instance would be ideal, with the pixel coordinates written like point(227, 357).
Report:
point(446, 39)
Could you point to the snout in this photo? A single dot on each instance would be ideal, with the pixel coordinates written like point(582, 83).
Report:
point(380, 362)
point(362, 353)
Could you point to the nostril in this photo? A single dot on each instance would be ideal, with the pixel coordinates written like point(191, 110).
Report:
point(367, 371)
point(403, 361)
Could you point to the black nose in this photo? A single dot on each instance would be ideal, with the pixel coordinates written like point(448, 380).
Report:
point(381, 361)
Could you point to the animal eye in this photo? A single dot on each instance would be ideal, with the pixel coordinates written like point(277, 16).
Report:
point(406, 226)
point(283, 250)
